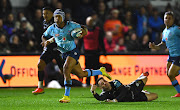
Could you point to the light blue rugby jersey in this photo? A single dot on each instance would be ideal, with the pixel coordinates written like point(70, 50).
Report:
point(171, 37)
point(63, 38)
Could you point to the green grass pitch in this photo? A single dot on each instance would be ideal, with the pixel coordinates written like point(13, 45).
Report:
point(82, 99)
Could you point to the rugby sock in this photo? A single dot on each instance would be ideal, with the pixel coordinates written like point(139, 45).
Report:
point(40, 84)
point(176, 85)
point(93, 72)
point(41, 77)
point(67, 85)
point(143, 75)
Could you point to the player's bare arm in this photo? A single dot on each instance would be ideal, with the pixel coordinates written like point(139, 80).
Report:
point(93, 88)
point(156, 47)
point(43, 40)
point(47, 42)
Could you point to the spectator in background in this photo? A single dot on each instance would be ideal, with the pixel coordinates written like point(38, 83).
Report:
point(59, 5)
point(124, 8)
point(97, 21)
point(109, 42)
point(144, 45)
point(83, 11)
point(5, 8)
point(33, 6)
point(9, 25)
point(2, 30)
point(102, 11)
point(68, 16)
point(155, 23)
point(133, 43)
point(129, 25)
point(53, 4)
point(141, 25)
point(149, 9)
point(168, 7)
point(120, 46)
point(20, 17)
point(176, 12)
point(4, 46)
point(114, 25)
point(38, 28)
point(26, 37)
point(93, 45)
point(15, 44)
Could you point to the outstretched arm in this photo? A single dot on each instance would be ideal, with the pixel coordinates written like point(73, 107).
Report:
point(101, 97)
point(156, 47)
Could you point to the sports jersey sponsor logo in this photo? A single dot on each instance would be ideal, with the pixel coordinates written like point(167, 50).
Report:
point(64, 38)
point(75, 53)
point(63, 42)
point(56, 35)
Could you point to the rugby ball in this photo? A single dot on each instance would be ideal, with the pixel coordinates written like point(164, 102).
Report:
point(76, 32)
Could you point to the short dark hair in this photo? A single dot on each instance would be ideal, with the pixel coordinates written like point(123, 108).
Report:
point(47, 8)
point(169, 13)
point(99, 80)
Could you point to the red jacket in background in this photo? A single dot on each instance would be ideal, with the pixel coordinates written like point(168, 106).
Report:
point(91, 40)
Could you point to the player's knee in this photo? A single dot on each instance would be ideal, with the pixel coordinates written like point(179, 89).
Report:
point(80, 75)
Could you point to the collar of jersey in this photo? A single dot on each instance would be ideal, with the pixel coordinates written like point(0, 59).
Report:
point(171, 26)
point(60, 28)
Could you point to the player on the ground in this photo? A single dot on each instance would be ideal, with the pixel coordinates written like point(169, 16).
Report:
point(61, 32)
point(171, 37)
point(49, 53)
point(115, 91)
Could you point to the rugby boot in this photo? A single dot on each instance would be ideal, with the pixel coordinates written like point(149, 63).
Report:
point(177, 95)
point(65, 99)
point(104, 73)
point(38, 91)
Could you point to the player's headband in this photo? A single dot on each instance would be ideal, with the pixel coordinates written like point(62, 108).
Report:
point(59, 12)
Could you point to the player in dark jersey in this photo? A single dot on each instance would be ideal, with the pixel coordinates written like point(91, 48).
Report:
point(115, 91)
point(49, 53)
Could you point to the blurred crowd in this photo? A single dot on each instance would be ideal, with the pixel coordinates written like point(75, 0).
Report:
point(125, 28)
